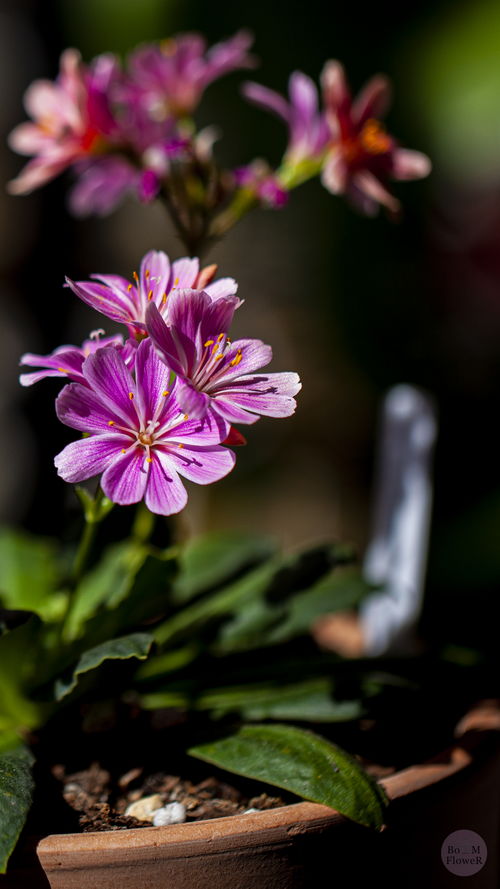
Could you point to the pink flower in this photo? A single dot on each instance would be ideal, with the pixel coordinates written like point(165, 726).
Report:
point(258, 178)
point(362, 155)
point(137, 435)
point(67, 361)
point(217, 376)
point(169, 79)
point(127, 302)
point(71, 120)
point(308, 131)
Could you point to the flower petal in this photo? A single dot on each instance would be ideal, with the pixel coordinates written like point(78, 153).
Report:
point(154, 276)
point(87, 457)
point(409, 164)
point(125, 480)
point(185, 272)
point(109, 377)
point(152, 377)
point(373, 100)
point(270, 395)
point(165, 493)
point(110, 301)
point(81, 408)
point(266, 98)
point(203, 465)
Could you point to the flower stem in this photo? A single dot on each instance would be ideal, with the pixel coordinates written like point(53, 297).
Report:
point(94, 509)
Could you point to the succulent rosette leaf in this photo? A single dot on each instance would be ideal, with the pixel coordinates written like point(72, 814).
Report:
point(137, 435)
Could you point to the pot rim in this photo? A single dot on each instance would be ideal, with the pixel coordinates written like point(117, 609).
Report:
point(472, 733)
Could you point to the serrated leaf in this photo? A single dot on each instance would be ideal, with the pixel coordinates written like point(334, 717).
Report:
point(16, 788)
point(303, 763)
point(214, 559)
point(136, 645)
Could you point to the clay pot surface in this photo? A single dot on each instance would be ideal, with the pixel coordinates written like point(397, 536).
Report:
point(295, 846)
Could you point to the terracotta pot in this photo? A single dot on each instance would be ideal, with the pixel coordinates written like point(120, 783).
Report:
point(296, 846)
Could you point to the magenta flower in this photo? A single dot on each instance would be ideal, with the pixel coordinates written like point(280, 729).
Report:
point(71, 120)
point(258, 178)
point(361, 155)
point(308, 130)
point(67, 361)
point(168, 80)
point(123, 301)
point(137, 435)
point(217, 376)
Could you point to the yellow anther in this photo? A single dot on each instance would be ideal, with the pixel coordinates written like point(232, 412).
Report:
point(150, 295)
point(180, 445)
point(237, 358)
point(176, 282)
point(164, 299)
point(135, 277)
point(208, 343)
point(220, 337)
point(186, 416)
point(131, 395)
point(165, 393)
point(218, 357)
point(124, 450)
point(147, 273)
point(129, 288)
point(62, 370)
point(111, 422)
point(149, 459)
point(374, 138)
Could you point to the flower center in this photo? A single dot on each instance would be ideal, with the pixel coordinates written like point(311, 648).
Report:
point(146, 438)
point(374, 138)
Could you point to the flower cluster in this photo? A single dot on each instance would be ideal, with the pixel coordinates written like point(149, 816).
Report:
point(129, 128)
point(115, 126)
point(163, 402)
point(345, 141)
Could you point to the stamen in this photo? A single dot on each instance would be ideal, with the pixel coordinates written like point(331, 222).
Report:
point(237, 358)
point(124, 450)
point(62, 370)
point(129, 288)
point(147, 273)
point(176, 282)
point(208, 343)
point(218, 357)
point(131, 395)
point(220, 337)
point(149, 459)
point(111, 422)
point(164, 299)
point(150, 295)
point(180, 445)
point(186, 416)
point(165, 393)
point(135, 277)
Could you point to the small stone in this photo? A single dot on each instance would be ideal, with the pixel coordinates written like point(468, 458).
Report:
point(172, 813)
point(250, 811)
point(145, 808)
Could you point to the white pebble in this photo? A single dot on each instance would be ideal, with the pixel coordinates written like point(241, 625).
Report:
point(250, 811)
point(144, 809)
point(172, 813)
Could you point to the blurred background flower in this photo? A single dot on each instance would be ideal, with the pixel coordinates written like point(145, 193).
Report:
point(353, 304)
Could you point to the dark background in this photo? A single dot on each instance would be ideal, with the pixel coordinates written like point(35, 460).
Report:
point(355, 305)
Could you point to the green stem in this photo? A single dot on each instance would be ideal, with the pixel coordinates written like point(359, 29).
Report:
point(94, 510)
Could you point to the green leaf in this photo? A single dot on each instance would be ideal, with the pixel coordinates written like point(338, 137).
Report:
point(16, 788)
point(20, 653)
point(29, 574)
point(309, 701)
point(299, 761)
point(136, 645)
point(271, 584)
point(214, 559)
